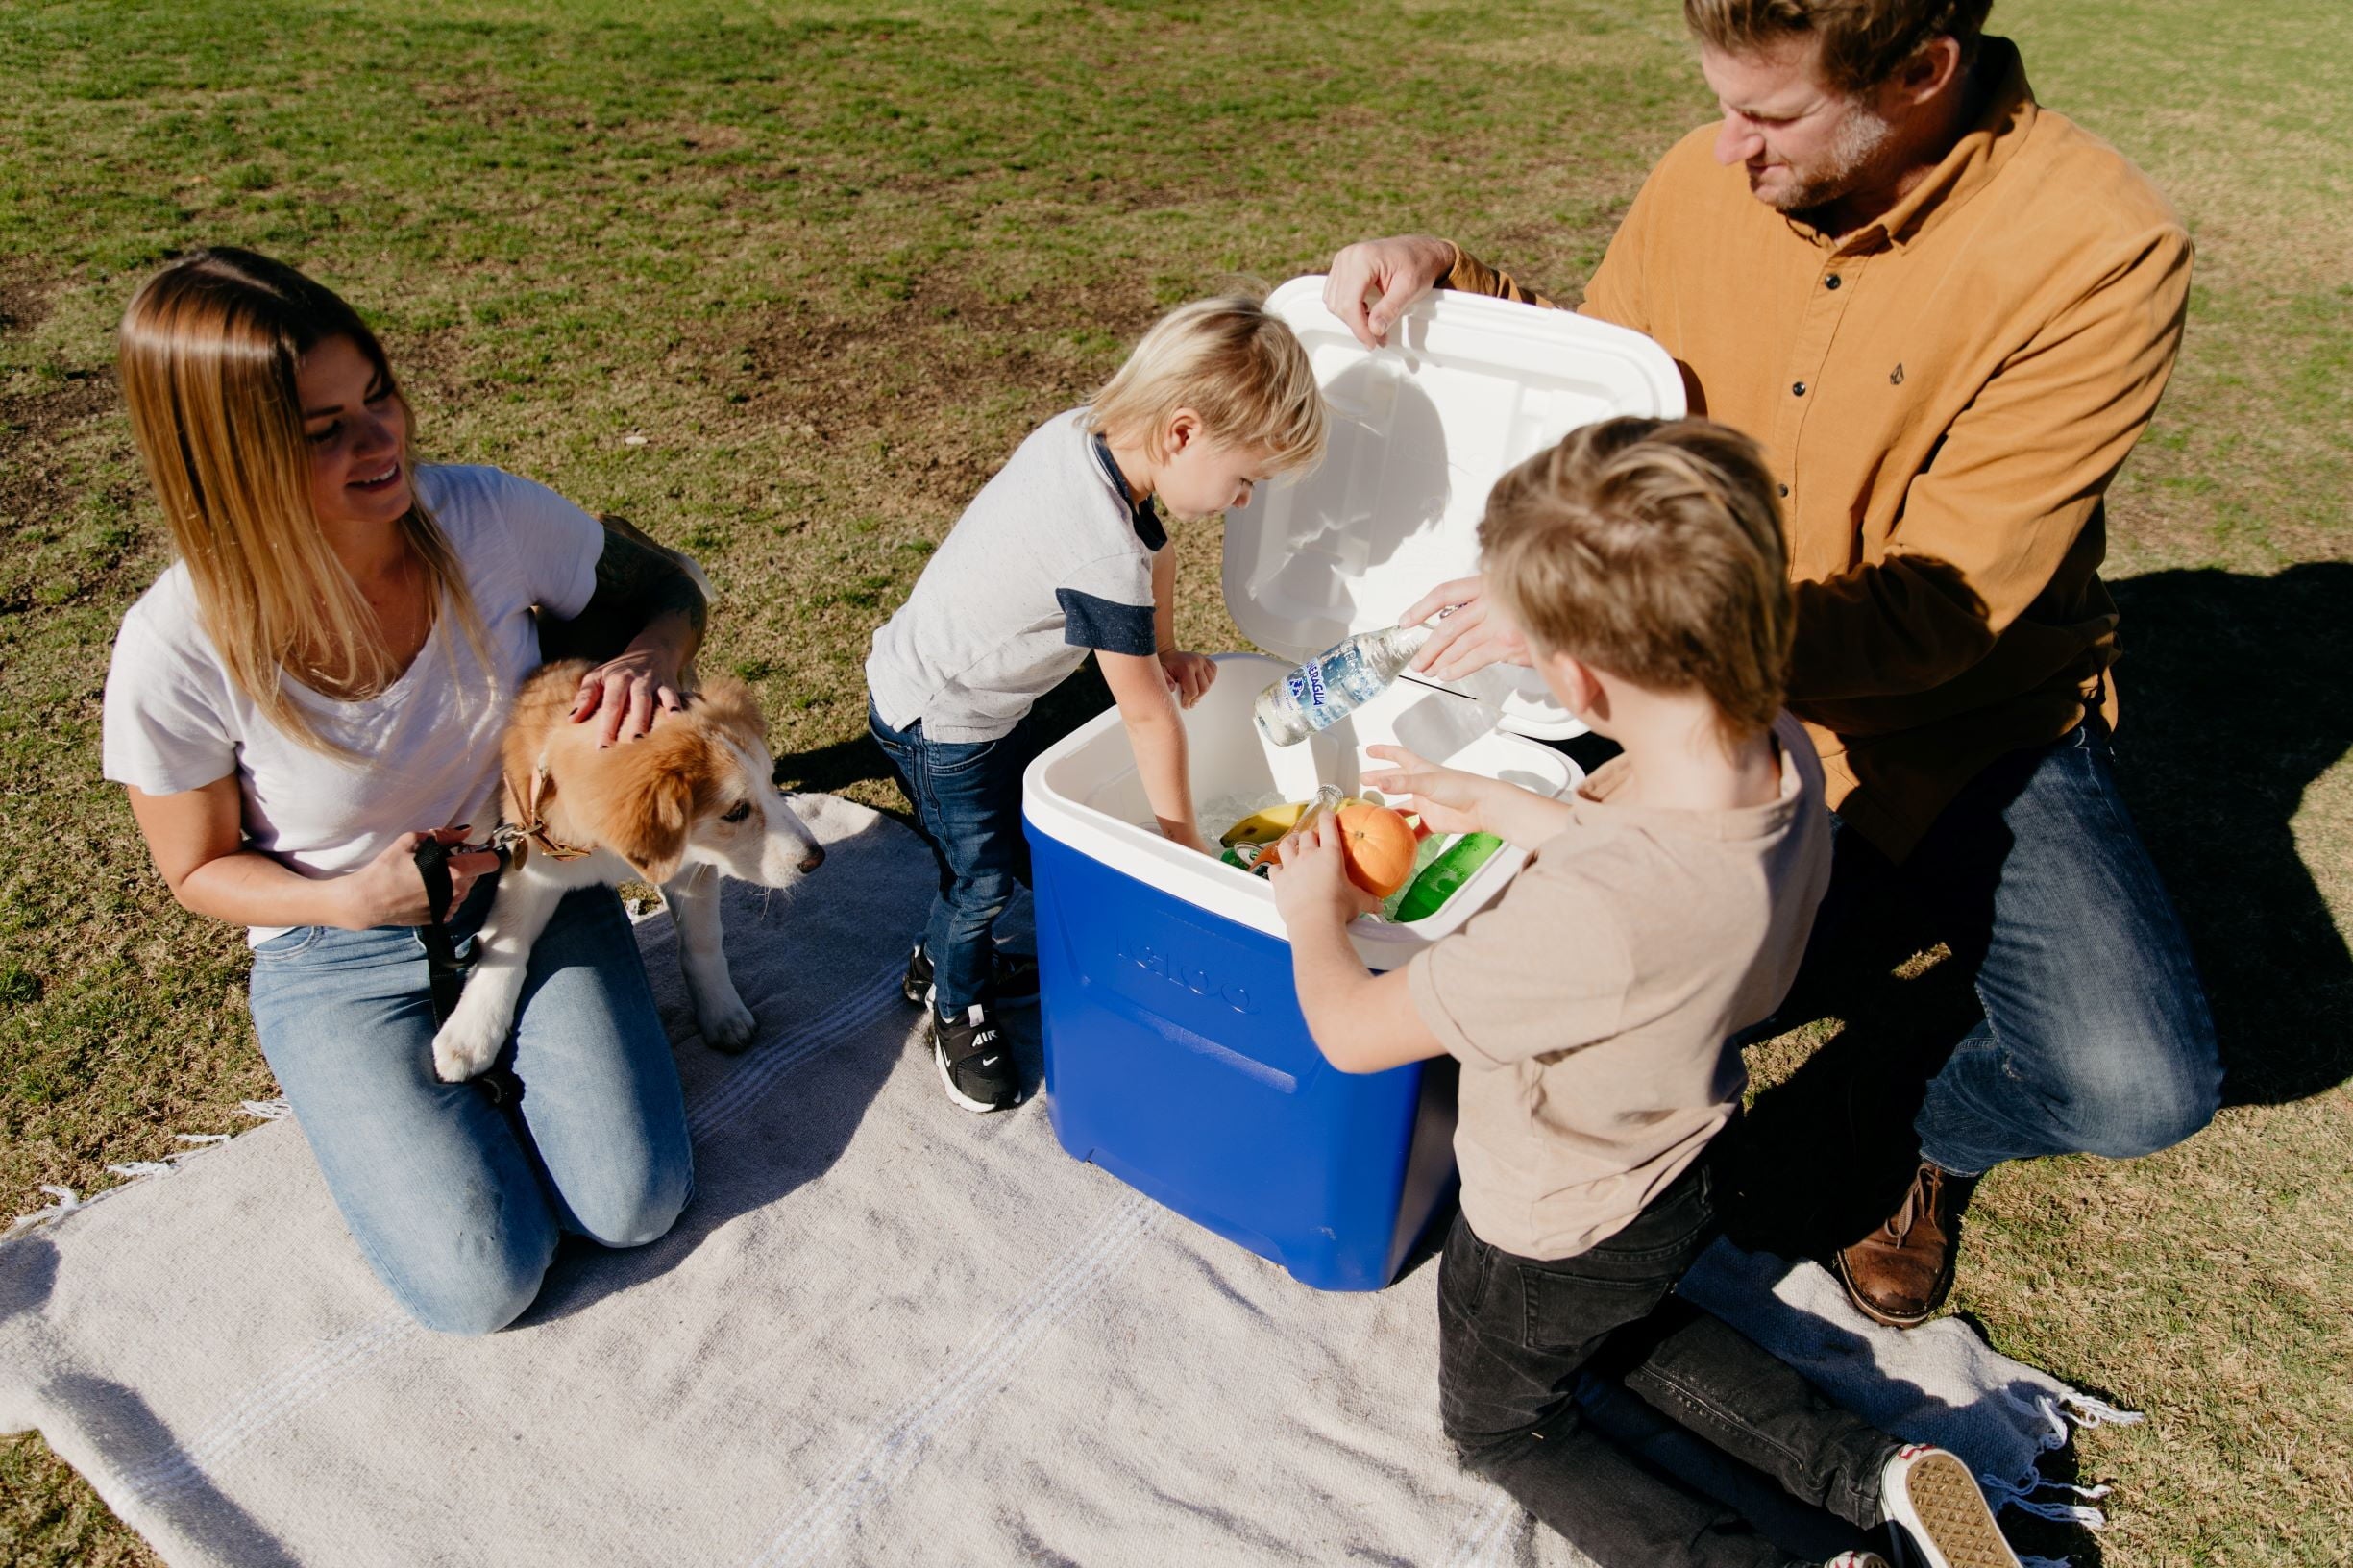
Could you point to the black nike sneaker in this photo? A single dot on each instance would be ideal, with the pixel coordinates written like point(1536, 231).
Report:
point(1011, 975)
point(974, 1062)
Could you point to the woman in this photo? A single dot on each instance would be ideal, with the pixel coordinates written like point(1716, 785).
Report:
point(316, 686)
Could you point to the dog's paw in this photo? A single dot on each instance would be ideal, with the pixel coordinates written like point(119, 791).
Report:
point(726, 1023)
point(465, 1046)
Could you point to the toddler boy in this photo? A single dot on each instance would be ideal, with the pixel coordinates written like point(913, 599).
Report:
point(1665, 908)
point(1061, 555)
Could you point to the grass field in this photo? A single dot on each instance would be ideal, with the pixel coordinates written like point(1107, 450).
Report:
point(783, 284)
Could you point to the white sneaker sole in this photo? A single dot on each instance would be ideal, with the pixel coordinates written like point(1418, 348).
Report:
point(1941, 1521)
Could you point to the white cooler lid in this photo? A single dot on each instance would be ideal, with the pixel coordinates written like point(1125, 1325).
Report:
point(1421, 429)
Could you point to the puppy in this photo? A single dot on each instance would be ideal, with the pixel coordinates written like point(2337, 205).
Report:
point(690, 800)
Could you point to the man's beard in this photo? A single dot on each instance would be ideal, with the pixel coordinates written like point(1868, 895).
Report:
point(1847, 169)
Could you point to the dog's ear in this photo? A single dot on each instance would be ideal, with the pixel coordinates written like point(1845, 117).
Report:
point(728, 703)
point(651, 816)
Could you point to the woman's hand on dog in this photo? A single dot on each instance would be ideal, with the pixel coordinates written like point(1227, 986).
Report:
point(629, 692)
point(387, 891)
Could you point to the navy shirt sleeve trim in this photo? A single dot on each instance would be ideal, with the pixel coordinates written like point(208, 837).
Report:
point(1106, 625)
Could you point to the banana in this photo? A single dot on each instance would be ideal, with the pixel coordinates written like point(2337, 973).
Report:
point(1268, 825)
point(1264, 826)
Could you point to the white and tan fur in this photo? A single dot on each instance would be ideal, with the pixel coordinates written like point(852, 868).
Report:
point(655, 809)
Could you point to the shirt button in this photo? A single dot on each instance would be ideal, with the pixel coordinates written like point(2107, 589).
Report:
point(1784, 489)
point(1831, 281)
point(1796, 389)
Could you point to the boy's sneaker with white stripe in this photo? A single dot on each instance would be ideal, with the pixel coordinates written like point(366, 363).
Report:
point(974, 1063)
point(1936, 1513)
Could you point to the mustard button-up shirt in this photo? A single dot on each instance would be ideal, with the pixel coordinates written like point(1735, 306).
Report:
point(1944, 396)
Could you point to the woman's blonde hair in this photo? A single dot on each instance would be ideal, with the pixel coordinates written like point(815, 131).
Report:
point(208, 359)
point(1241, 369)
point(1650, 550)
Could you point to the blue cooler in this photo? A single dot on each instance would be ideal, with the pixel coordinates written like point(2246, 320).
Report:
point(1176, 1056)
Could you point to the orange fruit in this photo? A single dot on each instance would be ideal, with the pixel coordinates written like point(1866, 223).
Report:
point(1379, 845)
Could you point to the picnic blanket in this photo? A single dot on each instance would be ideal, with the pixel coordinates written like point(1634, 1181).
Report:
point(886, 1332)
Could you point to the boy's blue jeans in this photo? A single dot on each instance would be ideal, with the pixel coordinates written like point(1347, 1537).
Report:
point(2095, 1037)
point(968, 799)
point(455, 1207)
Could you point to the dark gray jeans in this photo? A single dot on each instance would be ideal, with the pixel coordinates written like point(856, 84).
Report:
point(1516, 1333)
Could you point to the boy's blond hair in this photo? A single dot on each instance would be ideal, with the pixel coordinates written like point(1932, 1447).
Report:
point(1239, 368)
point(1652, 551)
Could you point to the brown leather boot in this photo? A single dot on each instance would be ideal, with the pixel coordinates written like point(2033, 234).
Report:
point(1900, 1273)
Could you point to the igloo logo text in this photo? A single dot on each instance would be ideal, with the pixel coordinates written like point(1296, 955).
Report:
point(1182, 970)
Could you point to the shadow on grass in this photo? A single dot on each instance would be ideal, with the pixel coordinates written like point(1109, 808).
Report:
point(2238, 693)
point(834, 766)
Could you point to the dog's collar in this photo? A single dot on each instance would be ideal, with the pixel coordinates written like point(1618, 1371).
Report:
point(533, 828)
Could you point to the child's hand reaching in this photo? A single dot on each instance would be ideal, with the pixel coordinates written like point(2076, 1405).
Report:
point(1447, 798)
point(1452, 802)
point(1310, 879)
point(1189, 674)
point(1188, 836)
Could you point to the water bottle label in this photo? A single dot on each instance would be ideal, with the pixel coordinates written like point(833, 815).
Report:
point(1357, 676)
point(1324, 691)
point(1312, 684)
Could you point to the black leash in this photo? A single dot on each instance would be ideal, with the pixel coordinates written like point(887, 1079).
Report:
point(445, 970)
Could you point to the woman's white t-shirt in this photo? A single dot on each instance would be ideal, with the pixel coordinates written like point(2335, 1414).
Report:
point(425, 752)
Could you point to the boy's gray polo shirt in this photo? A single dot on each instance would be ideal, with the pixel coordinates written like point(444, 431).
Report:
point(1049, 563)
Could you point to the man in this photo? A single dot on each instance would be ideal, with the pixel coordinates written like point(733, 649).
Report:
point(1948, 313)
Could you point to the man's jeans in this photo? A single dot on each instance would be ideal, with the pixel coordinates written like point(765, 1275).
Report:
point(1514, 1333)
point(455, 1207)
point(968, 799)
point(2095, 1037)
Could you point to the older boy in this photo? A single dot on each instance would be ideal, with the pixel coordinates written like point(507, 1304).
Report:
point(1060, 556)
point(1665, 908)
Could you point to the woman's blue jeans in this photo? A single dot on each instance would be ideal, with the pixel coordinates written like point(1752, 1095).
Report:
point(457, 1204)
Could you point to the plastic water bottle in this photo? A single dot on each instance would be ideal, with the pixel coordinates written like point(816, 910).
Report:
point(1337, 682)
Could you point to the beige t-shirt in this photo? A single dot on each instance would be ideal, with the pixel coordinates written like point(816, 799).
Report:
point(1592, 1006)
